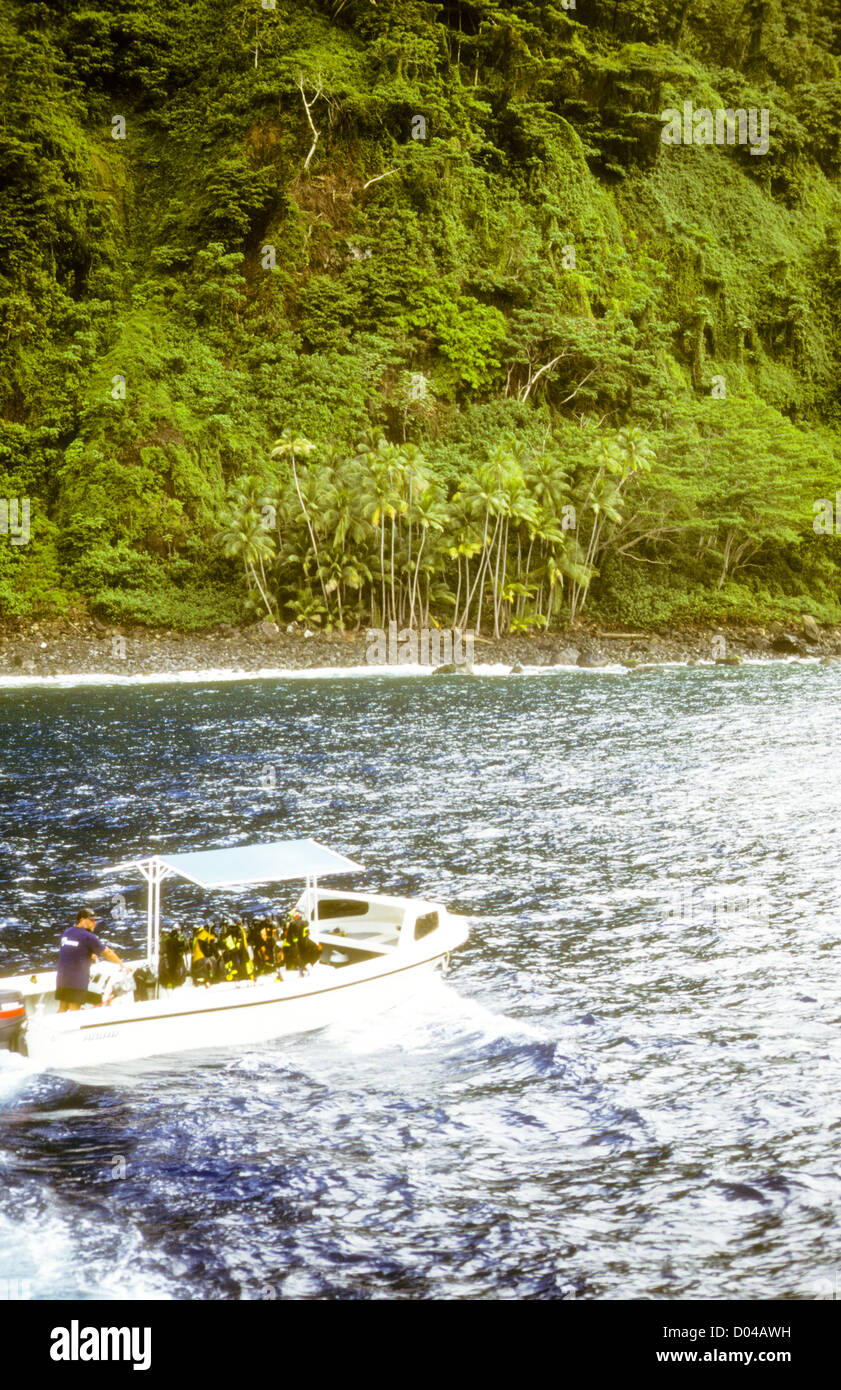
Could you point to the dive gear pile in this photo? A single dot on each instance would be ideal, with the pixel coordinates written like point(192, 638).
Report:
point(232, 950)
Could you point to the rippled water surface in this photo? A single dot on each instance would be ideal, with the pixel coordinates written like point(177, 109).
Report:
point(627, 1086)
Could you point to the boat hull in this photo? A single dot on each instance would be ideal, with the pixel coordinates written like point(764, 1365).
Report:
point(222, 1016)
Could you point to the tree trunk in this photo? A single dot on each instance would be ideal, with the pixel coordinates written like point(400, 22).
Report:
point(393, 603)
point(262, 594)
point(382, 567)
point(311, 531)
point(486, 558)
point(415, 585)
point(472, 591)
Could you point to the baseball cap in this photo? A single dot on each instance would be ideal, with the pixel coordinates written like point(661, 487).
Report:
point(89, 914)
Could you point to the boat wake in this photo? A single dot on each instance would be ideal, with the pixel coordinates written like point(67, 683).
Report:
point(438, 1011)
point(15, 1073)
point(37, 1251)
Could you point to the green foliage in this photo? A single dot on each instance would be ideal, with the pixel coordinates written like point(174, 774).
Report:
point(191, 607)
point(468, 334)
point(271, 249)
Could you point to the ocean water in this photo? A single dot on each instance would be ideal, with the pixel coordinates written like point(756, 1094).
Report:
point(627, 1086)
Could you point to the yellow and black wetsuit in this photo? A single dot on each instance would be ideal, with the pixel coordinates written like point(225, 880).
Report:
point(203, 961)
point(236, 956)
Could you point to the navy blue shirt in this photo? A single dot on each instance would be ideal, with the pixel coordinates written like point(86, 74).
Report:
point(74, 958)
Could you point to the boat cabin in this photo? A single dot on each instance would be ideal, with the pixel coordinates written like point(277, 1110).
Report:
point(353, 926)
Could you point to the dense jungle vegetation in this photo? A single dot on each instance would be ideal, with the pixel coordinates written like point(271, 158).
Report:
point(343, 311)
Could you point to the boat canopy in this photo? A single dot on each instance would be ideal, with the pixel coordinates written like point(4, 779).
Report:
point(234, 867)
point(243, 864)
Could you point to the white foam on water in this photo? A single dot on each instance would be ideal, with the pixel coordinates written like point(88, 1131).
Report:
point(52, 1256)
point(217, 674)
point(15, 1072)
point(207, 675)
point(214, 674)
point(434, 1004)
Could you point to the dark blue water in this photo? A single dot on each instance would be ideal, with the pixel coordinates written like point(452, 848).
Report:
point(627, 1087)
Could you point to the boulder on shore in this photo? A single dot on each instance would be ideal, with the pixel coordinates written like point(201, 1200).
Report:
point(566, 656)
point(810, 628)
point(787, 645)
point(590, 661)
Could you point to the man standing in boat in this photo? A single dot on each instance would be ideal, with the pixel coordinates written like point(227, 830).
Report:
point(79, 947)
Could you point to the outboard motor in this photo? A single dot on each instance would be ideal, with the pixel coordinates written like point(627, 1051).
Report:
point(12, 1017)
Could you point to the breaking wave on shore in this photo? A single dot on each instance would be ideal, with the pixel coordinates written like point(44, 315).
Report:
point(225, 675)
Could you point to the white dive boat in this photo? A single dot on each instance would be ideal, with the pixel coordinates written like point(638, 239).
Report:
point(373, 950)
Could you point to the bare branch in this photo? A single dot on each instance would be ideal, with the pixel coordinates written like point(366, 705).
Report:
point(627, 548)
point(377, 177)
point(523, 393)
point(643, 560)
point(578, 388)
point(308, 105)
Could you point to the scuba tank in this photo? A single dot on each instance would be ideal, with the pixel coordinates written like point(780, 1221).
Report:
point(236, 957)
point(244, 955)
point(299, 949)
point(205, 967)
point(173, 970)
point(145, 983)
point(262, 942)
point(310, 950)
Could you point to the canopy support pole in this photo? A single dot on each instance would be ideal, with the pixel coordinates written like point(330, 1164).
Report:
point(155, 870)
point(156, 924)
point(147, 874)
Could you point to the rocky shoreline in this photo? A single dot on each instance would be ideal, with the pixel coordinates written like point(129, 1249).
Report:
point(85, 646)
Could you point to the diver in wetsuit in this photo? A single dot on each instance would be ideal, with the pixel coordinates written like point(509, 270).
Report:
point(299, 949)
point(204, 966)
point(262, 940)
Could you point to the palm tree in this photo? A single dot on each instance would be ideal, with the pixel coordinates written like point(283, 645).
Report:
point(430, 515)
point(375, 494)
point(617, 460)
point(466, 544)
point(344, 573)
point(479, 497)
point(395, 506)
point(291, 444)
point(415, 481)
point(243, 537)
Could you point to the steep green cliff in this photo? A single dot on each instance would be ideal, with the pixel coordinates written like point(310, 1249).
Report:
point(544, 358)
